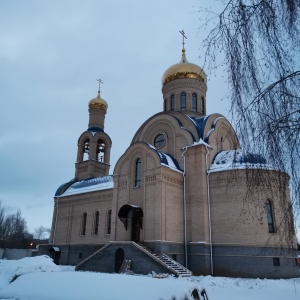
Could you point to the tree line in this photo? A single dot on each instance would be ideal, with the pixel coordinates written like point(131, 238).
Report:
point(14, 232)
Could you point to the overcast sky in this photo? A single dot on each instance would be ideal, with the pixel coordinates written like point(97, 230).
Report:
point(51, 53)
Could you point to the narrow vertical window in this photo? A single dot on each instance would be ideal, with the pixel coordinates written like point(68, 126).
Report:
point(202, 105)
point(173, 102)
point(83, 223)
point(165, 105)
point(270, 218)
point(194, 102)
point(96, 222)
point(137, 181)
point(108, 222)
point(183, 101)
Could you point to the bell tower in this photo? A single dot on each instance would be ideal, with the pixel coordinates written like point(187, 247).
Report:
point(93, 154)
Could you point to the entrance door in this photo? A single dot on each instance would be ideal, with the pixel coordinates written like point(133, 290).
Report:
point(135, 230)
point(55, 254)
point(119, 258)
point(132, 218)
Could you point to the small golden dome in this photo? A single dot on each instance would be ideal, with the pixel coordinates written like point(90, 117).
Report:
point(98, 102)
point(184, 69)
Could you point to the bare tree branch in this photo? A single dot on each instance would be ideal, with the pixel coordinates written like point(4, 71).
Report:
point(260, 41)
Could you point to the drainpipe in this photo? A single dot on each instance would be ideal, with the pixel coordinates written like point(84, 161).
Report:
point(53, 238)
point(184, 210)
point(209, 213)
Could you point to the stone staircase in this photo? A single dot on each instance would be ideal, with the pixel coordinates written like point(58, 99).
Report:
point(175, 267)
point(125, 266)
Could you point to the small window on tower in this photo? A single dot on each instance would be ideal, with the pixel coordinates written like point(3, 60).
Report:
point(194, 102)
point(202, 105)
point(172, 102)
point(183, 101)
point(159, 141)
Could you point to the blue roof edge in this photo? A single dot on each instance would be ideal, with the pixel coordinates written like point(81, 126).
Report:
point(95, 129)
point(61, 189)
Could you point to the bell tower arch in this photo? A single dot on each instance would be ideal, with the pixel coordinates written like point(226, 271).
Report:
point(94, 145)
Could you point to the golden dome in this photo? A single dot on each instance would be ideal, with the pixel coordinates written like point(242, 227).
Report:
point(98, 102)
point(184, 69)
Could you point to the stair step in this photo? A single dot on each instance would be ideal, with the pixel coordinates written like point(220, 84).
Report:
point(180, 270)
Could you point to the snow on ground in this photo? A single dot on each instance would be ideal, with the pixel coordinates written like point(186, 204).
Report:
point(38, 278)
point(9, 269)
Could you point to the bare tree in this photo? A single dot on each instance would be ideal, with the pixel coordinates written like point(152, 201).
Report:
point(41, 234)
point(2, 220)
point(13, 230)
point(260, 41)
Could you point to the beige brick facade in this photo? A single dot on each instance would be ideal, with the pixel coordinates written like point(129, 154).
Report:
point(163, 189)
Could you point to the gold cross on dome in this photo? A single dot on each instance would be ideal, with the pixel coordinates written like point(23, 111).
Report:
point(183, 37)
point(100, 81)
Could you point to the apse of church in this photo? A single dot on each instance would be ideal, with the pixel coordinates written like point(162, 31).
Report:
point(177, 191)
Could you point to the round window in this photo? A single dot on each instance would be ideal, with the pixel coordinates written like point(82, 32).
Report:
point(159, 141)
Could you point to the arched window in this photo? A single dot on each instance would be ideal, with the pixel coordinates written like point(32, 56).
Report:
point(183, 101)
point(194, 102)
point(86, 149)
point(137, 180)
point(202, 105)
point(96, 222)
point(108, 222)
point(100, 150)
point(270, 218)
point(83, 223)
point(173, 102)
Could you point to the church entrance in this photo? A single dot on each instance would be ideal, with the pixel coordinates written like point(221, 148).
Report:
point(119, 258)
point(55, 254)
point(135, 230)
point(132, 218)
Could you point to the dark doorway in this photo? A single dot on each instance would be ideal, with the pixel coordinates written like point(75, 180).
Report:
point(132, 218)
point(135, 232)
point(119, 258)
point(55, 254)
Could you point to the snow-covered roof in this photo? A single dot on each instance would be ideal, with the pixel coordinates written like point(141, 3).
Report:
point(237, 159)
point(167, 160)
point(199, 124)
point(200, 142)
point(89, 185)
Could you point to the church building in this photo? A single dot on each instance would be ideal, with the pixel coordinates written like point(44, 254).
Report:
point(184, 198)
